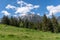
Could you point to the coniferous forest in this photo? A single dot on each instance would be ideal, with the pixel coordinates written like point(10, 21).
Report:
point(47, 24)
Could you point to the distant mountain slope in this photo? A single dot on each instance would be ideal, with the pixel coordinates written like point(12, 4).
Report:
point(58, 18)
point(32, 17)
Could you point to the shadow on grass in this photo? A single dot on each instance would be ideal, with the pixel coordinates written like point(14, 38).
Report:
point(11, 35)
point(2, 36)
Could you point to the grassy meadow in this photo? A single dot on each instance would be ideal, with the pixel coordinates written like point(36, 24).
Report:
point(15, 33)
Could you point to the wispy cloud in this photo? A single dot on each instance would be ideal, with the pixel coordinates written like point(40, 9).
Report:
point(53, 9)
point(38, 14)
point(5, 13)
point(10, 6)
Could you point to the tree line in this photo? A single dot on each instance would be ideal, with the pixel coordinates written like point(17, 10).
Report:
point(47, 24)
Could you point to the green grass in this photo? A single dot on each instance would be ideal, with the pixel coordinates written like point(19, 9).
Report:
point(14, 33)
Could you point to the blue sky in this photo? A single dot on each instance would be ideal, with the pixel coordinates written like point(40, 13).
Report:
point(44, 6)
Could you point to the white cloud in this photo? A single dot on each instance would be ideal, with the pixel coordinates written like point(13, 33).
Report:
point(21, 2)
point(22, 10)
point(38, 14)
point(5, 13)
point(53, 9)
point(23, 14)
point(29, 5)
point(15, 15)
point(10, 7)
point(32, 12)
point(36, 6)
point(24, 7)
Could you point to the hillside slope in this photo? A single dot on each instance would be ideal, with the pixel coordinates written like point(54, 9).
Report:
point(14, 33)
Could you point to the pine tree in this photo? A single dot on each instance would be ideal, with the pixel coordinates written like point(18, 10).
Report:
point(11, 21)
point(16, 22)
point(5, 20)
point(50, 26)
point(31, 25)
point(26, 23)
point(39, 25)
point(44, 23)
point(21, 22)
point(55, 24)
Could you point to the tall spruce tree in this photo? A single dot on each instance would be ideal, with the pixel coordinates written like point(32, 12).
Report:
point(55, 24)
point(26, 23)
point(45, 23)
point(50, 26)
point(12, 21)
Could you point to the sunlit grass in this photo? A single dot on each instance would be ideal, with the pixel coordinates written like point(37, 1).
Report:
point(15, 33)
